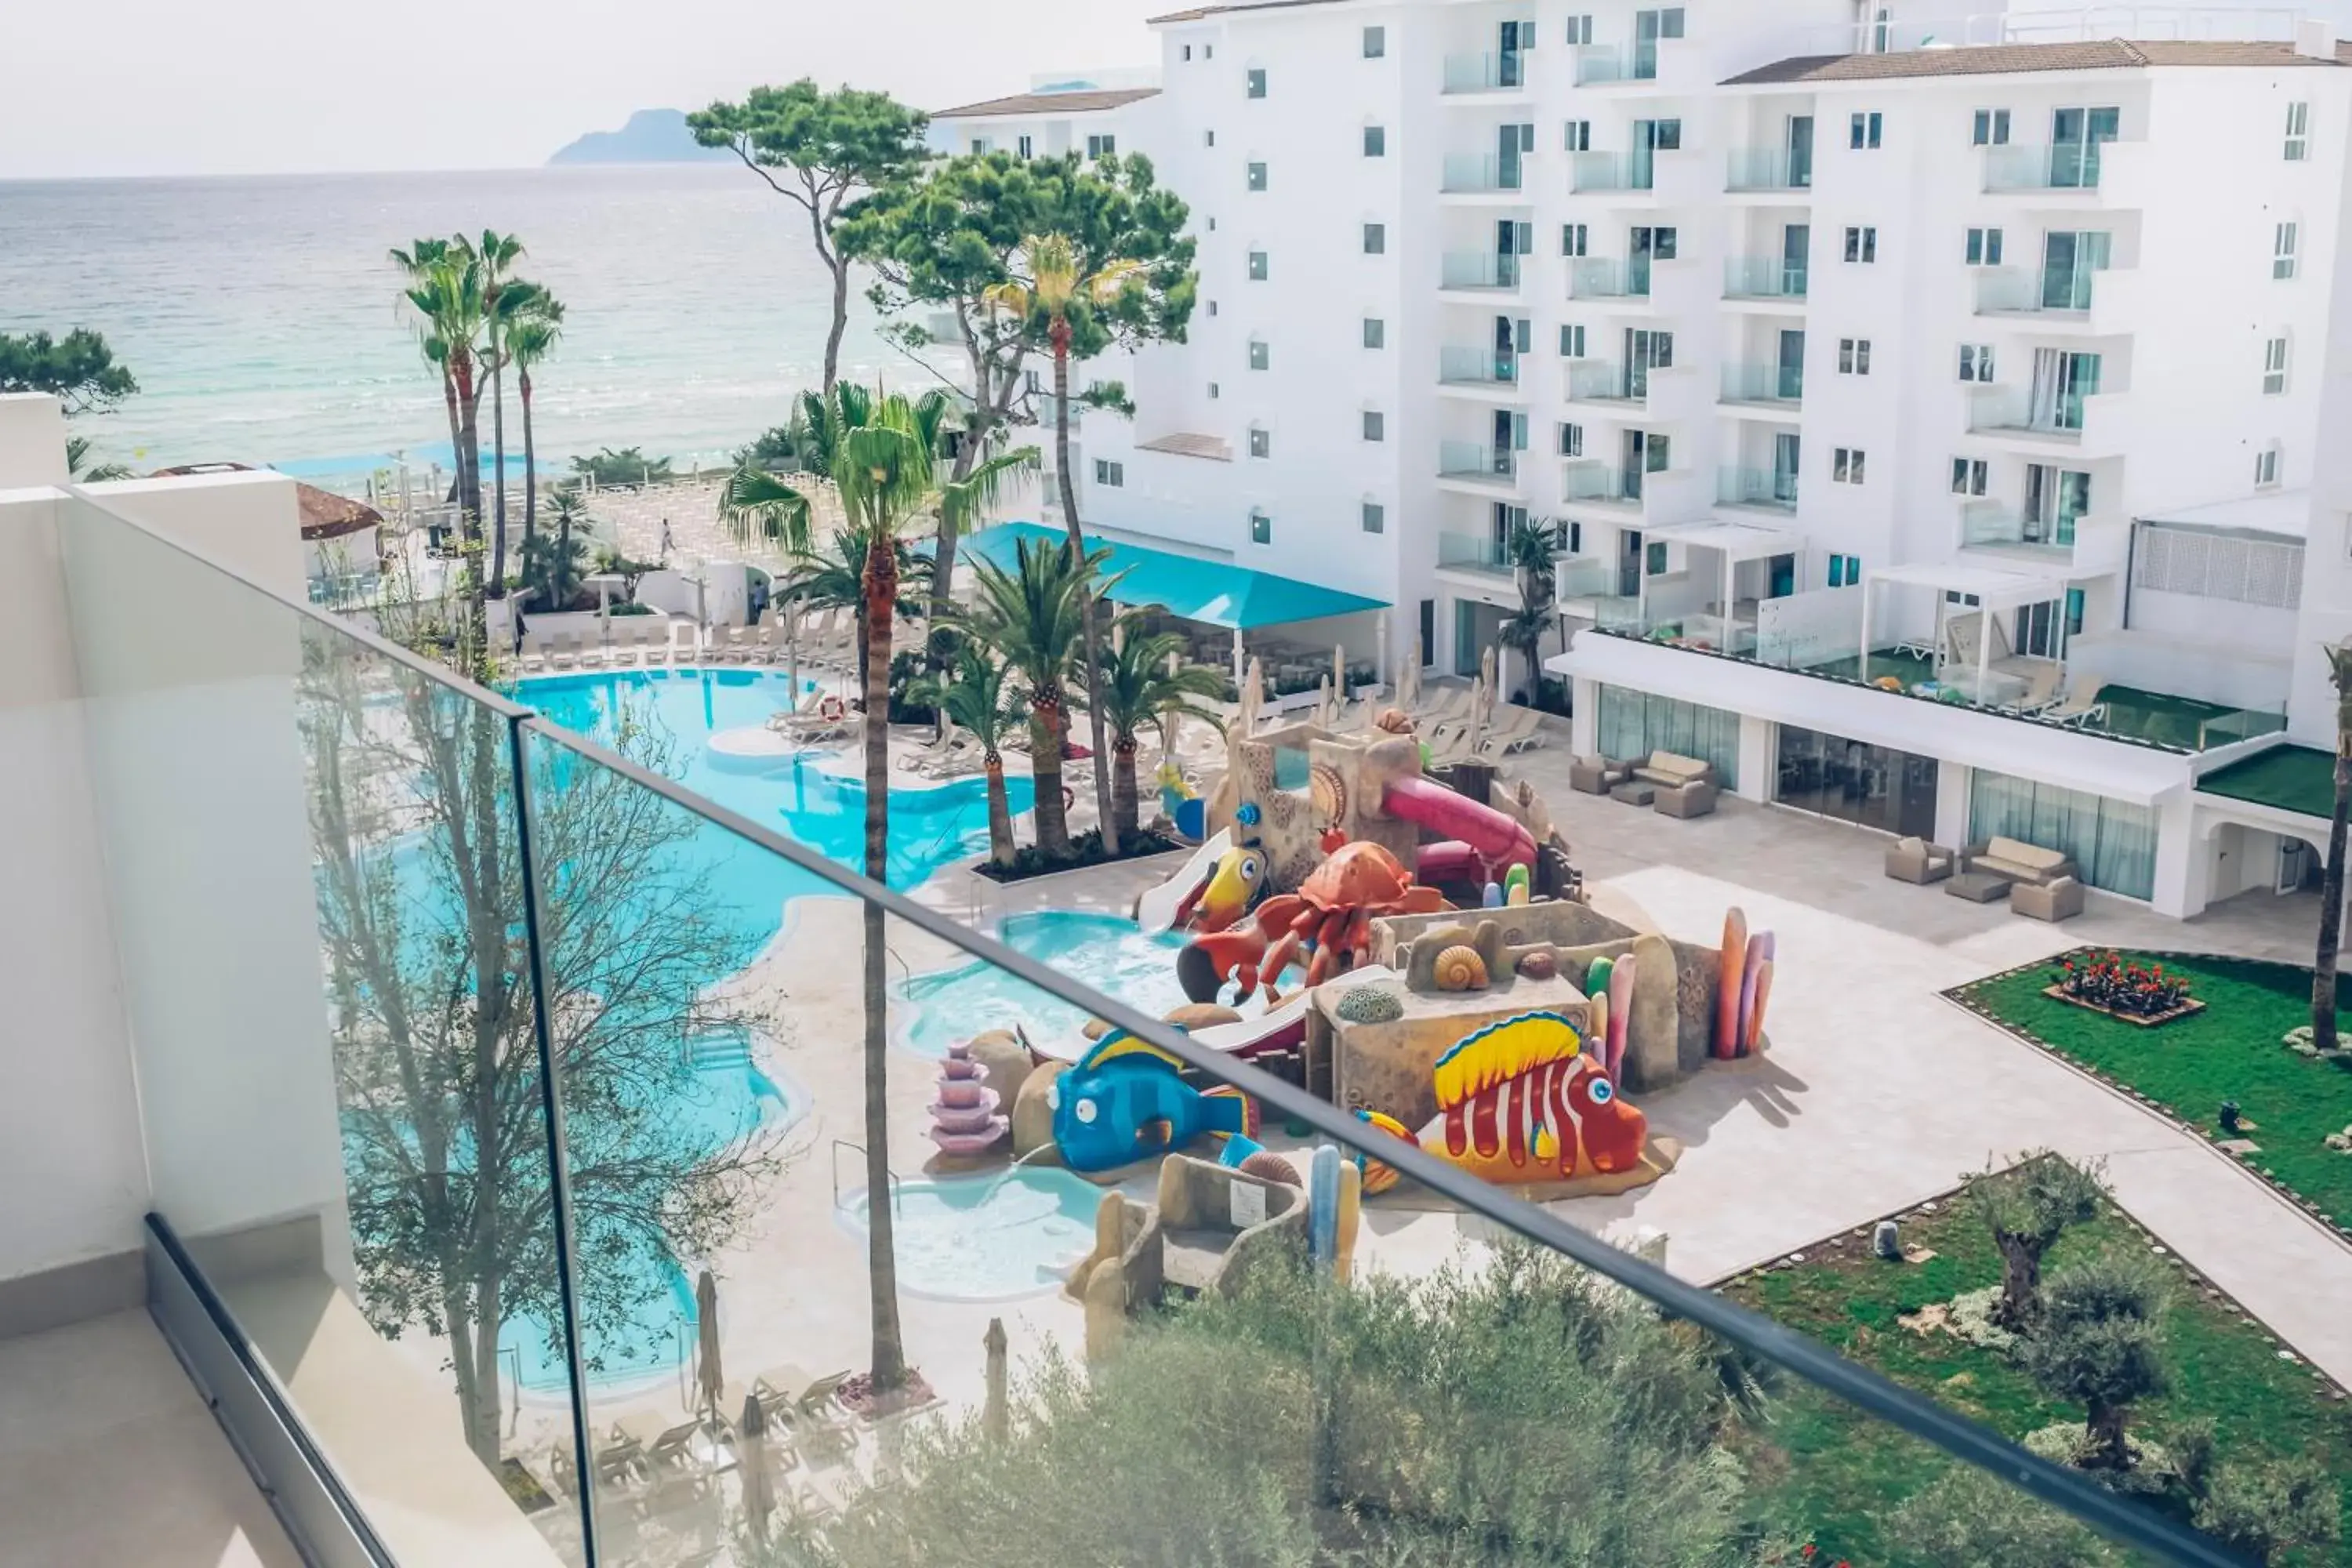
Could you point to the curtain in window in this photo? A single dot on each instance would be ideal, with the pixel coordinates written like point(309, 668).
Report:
point(2111, 841)
point(1635, 723)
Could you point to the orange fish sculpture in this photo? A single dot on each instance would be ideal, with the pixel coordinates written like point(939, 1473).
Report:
point(1522, 1100)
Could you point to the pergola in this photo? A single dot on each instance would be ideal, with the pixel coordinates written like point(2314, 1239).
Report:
point(1994, 588)
point(1732, 543)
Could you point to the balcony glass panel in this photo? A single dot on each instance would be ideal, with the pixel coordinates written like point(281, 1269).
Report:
point(1475, 174)
point(1478, 270)
point(1599, 381)
point(1763, 384)
point(1474, 552)
point(1484, 72)
point(1604, 278)
point(1478, 367)
point(1769, 169)
point(1763, 277)
point(1772, 488)
point(1469, 459)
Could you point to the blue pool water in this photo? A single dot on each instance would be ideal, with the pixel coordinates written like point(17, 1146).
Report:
point(714, 1104)
point(988, 1239)
point(1110, 954)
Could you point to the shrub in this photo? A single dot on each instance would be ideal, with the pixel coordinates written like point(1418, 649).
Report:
point(2263, 1511)
point(1970, 1519)
point(2122, 985)
point(2028, 1207)
point(1519, 1414)
point(2098, 1341)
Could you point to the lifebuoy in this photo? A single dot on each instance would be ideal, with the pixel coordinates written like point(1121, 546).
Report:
point(832, 709)
point(1069, 798)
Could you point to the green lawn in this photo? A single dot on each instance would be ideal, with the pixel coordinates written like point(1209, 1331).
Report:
point(1836, 1476)
point(2230, 1051)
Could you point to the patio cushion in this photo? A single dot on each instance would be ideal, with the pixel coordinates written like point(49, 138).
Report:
point(1668, 768)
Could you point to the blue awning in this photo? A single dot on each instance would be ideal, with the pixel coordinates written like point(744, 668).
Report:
point(1217, 592)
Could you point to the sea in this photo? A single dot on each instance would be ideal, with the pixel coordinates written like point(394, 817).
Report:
point(264, 321)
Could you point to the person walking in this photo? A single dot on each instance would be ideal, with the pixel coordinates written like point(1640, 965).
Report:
point(666, 542)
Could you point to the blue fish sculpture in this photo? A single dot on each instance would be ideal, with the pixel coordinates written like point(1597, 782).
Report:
point(1123, 1102)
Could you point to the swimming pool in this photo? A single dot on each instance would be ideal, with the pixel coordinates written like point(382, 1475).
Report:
point(988, 1239)
point(1110, 954)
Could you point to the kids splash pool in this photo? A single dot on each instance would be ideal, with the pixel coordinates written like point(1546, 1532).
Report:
point(987, 1238)
point(1110, 954)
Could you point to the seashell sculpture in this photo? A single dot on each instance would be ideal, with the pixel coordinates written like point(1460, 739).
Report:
point(1370, 1004)
point(1460, 969)
point(1328, 792)
point(1267, 1165)
point(1538, 965)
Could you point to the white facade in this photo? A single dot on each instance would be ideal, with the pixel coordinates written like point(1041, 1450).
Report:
point(1466, 263)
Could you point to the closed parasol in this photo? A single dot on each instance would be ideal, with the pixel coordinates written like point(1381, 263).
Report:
point(710, 1375)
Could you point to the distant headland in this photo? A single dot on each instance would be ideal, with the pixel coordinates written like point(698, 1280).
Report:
point(651, 136)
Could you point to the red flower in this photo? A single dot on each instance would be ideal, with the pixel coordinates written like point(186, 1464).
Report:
point(1808, 1550)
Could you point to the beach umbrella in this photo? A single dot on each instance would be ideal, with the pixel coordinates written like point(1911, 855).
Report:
point(711, 1378)
point(751, 1463)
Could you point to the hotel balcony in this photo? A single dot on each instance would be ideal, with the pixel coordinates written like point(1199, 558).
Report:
point(2086, 422)
point(1479, 554)
point(1477, 466)
point(1488, 374)
point(1479, 273)
point(1765, 280)
point(1600, 382)
point(1773, 391)
point(1757, 489)
point(1767, 172)
point(1483, 176)
point(1485, 75)
point(1606, 277)
point(1998, 526)
point(2072, 172)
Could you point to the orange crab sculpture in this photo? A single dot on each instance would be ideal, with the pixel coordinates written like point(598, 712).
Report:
point(1331, 913)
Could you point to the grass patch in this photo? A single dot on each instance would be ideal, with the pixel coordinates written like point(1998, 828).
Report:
point(1839, 1476)
point(2230, 1051)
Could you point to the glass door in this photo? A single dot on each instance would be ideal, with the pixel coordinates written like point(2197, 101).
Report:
point(1513, 39)
point(2069, 259)
point(2054, 500)
point(1790, 377)
point(2076, 137)
point(1643, 246)
point(1785, 451)
point(2061, 380)
point(1512, 144)
point(1629, 548)
point(1795, 255)
point(1799, 149)
point(1645, 350)
point(1649, 26)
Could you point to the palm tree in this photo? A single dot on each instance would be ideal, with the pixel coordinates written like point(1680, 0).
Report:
point(444, 290)
point(1055, 285)
point(497, 254)
point(2331, 881)
point(831, 577)
point(885, 475)
point(974, 692)
point(534, 322)
point(1032, 615)
point(1527, 550)
point(555, 568)
point(1141, 680)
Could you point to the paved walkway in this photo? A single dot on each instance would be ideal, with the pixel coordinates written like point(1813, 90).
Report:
point(1879, 1093)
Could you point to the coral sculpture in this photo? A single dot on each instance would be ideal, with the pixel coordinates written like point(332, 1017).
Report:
point(1371, 1005)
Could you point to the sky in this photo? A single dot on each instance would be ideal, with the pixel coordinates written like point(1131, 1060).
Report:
point(246, 87)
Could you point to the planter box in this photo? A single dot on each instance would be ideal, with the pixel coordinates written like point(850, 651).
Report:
point(2144, 1021)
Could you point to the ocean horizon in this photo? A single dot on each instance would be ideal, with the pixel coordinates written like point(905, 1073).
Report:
point(262, 314)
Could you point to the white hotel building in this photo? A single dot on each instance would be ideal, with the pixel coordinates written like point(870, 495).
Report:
point(2002, 345)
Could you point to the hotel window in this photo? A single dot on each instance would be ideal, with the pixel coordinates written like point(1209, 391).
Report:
point(1188, 51)
point(1866, 131)
point(1984, 247)
point(1256, 176)
point(1580, 31)
point(1213, 392)
point(1213, 307)
point(1257, 82)
point(1968, 476)
point(1376, 517)
point(2283, 246)
point(1257, 354)
point(1208, 51)
point(1376, 424)
point(1862, 243)
point(1845, 570)
point(1571, 340)
point(1376, 333)
point(1261, 441)
point(1992, 128)
point(1028, 147)
point(1376, 140)
point(2266, 467)
point(1571, 536)
point(1574, 238)
point(2274, 367)
point(1580, 136)
point(1376, 42)
point(1571, 441)
point(1208, 138)
point(980, 146)
point(1261, 526)
point(1376, 240)
point(1257, 265)
point(1853, 356)
point(1976, 361)
point(2298, 132)
point(1101, 146)
point(1212, 224)
point(1845, 467)
point(1108, 473)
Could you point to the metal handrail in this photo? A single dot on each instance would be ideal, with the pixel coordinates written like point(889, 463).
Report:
point(1807, 1358)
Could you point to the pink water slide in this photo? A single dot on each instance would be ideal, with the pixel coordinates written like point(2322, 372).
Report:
point(1485, 841)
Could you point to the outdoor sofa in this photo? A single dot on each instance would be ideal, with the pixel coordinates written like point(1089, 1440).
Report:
point(2014, 860)
point(1685, 785)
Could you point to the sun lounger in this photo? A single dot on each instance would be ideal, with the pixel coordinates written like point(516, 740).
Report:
point(567, 651)
point(625, 649)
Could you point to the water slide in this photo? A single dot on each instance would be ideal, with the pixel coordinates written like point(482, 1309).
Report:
point(1155, 907)
point(1484, 840)
point(1280, 1027)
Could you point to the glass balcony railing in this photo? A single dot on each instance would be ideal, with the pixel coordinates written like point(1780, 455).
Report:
point(1597, 381)
point(2058, 414)
point(1484, 72)
point(1478, 367)
point(1473, 173)
point(1768, 169)
point(2013, 290)
point(1599, 482)
point(1779, 384)
point(1611, 171)
point(2017, 166)
point(1478, 270)
point(1473, 553)
point(1585, 577)
point(1773, 489)
point(1597, 65)
point(1763, 277)
point(1469, 460)
point(561, 1185)
point(1604, 278)
point(1992, 524)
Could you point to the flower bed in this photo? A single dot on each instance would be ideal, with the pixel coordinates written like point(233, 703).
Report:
point(2136, 993)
